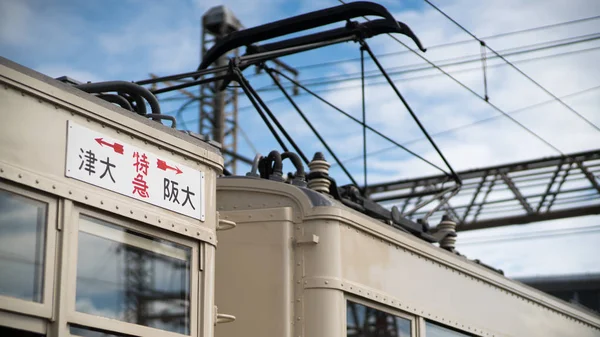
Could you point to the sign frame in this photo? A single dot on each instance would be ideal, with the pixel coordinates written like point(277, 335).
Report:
point(133, 167)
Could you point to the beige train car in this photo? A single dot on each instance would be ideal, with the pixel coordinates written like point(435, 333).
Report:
point(93, 240)
point(301, 264)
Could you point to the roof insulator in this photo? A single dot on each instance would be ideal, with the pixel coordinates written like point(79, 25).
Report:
point(448, 225)
point(319, 171)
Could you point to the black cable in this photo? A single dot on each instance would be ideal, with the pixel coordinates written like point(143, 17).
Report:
point(365, 45)
point(516, 68)
point(479, 96)
point(245, 87)
point(183, 75)
point(450, 44)
point(373, 84)
point(461, 60)
point(250, 90)
point(357, 121)
point(481, 121)
point(536, 234)
point(191, 84)
point(310, 125)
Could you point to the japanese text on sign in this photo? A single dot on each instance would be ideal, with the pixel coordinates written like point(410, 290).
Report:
point(117, 166)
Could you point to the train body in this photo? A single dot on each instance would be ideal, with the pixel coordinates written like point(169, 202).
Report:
point(300, 263)
point(92, 239)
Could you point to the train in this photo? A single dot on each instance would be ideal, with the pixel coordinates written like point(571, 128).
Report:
point(115, 224)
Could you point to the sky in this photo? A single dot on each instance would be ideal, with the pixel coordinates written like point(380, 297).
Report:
point(128, 40)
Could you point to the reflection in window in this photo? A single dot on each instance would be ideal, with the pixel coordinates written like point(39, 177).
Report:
point(362, 321)
point(132, 277)
point(434, 330)
point(22, 244)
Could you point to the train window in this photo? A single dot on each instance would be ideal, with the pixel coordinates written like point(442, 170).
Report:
point(364, 321)
point(132, 277)
point(6, 331)
point(22, 246)
point(434, 330)
point(82, 331)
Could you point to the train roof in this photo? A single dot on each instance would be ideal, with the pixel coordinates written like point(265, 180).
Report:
point(198, 141)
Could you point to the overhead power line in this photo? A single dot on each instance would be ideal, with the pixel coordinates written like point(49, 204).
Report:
point(461, 71)
point(473, 92)
point(514, 67)
point(449, 62)
point(562, 232)
point(481, 121)
point(450, 44)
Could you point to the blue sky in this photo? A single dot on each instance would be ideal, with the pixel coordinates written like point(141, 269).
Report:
point(127, 40)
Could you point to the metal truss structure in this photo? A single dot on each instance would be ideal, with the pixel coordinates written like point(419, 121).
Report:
point(518, 193)
point(218, 108)
point(219, 103)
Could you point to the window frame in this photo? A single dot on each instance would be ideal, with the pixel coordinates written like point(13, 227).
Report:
point(439, 324)
point(42, 309)
point(114, 325)
point(414, 324)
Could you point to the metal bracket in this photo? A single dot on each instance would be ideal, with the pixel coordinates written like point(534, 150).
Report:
point(309, 239)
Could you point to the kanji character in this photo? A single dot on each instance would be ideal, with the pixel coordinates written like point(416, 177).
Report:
point(187, 196)
point(172, 192)
point(88, 160)
point(140, 187)
point(141, 163)
point(108, 165)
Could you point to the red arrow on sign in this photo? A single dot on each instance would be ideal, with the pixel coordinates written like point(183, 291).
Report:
point(118, 148)
point(161, 164)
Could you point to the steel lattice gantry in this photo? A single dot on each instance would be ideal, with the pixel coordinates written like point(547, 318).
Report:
point(518, 193)
point(219, 108)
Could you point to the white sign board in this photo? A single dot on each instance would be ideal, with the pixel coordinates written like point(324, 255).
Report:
point(119, 167)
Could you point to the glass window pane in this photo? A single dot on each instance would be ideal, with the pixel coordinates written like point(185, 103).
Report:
point(6, 331)
point(362, 321)
point(132, 277)
point(82, 331)
point(22, 245)
point(434, 330)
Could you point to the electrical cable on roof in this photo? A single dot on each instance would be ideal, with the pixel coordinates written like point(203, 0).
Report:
point(516, 68)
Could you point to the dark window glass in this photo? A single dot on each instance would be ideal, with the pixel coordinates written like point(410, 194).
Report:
point(87, 332)
point(434, 330)
point(132, 277)
point(363, 321)
point(5, 331)
point(22, 244)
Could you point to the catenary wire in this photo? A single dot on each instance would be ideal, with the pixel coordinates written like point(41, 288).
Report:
point(373, 84)
point(532, 235)
point(312, 93)
point(449, 44)
point(481, 121)
point(462, 60)
point(516, 68)
point(473, 92)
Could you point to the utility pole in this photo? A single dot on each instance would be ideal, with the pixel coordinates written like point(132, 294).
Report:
point(219, 109)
